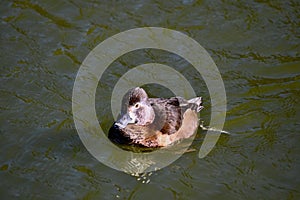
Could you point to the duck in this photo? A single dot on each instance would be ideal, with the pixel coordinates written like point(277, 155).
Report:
point(155, 122)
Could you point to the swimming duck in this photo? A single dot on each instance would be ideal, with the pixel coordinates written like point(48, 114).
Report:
point(155, 122)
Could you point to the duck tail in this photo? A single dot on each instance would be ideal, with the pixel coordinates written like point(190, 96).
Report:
point(195, 104)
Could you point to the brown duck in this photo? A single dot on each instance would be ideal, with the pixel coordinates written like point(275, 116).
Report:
point(155, 122)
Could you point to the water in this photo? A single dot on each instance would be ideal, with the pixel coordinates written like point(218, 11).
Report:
point(255, 46)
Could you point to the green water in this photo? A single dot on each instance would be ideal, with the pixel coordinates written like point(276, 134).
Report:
point(255, 45)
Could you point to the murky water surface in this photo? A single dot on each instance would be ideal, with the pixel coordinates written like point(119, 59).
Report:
point(255, 45)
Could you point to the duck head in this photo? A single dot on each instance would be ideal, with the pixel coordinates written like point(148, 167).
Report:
point(139, 110)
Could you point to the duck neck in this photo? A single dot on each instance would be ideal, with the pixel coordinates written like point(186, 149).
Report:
point(149, 116)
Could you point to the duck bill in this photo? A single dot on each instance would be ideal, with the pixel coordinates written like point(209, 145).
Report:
point(124, 120)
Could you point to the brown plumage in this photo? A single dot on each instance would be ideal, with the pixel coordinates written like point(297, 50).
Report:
point(155, 122)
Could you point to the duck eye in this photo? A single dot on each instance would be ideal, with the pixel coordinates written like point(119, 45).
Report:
point(137, 105)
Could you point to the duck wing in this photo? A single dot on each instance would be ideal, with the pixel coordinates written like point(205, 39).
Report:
point(168, 115)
